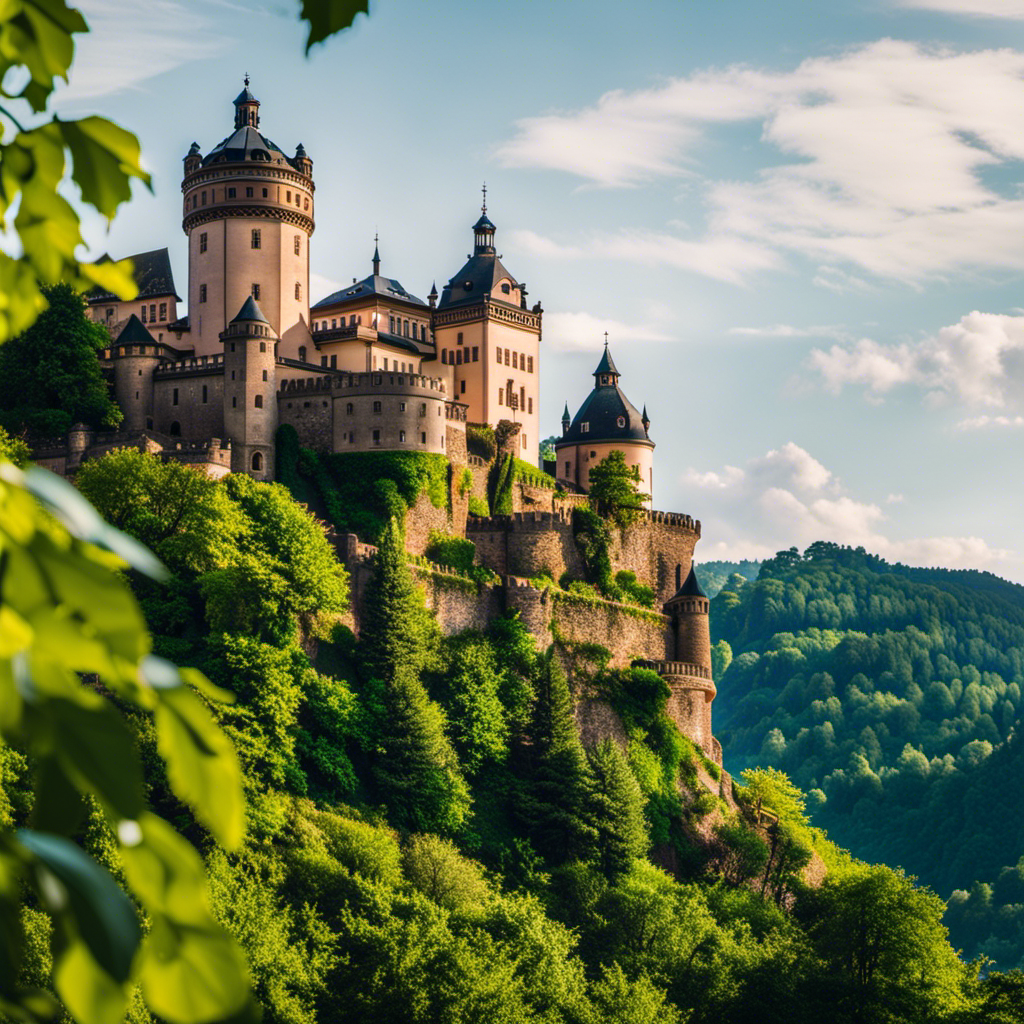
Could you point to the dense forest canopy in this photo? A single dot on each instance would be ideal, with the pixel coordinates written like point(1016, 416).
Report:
point(892, 695)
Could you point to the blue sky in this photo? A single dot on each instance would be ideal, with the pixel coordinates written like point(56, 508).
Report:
point(801, 224)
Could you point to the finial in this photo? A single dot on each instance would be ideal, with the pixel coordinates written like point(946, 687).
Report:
point(605, 339)
point(483, 208)
point(247, 79)
point(376, 255)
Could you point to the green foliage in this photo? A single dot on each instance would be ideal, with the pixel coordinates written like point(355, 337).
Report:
point(714, 576)
point(478, 506)
point(465, 483)
point(616, 810)
point(480, 440)
point(435, 867)
point(632, 590)
point(499, 486)
point(546, 449)
point(328, 17)
point(286, 457)
point(50, 377)
point(527, 473)
point(14, 449)
point(614, 489)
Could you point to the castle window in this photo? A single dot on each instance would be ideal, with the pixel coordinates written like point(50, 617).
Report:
point(529, 364)
point(255, 291)
point(334, 362)
point(234, 401)
point(258, 402)
point(423, 408)
point(501, 396)
point(391, 329)
point(257, 461)
point(323, 360)
point(152, 313)
point(204, 199)
point(476, 353)
point(423, 437)
point(593, 455)
point(407, 328)
point(175, 429)
point(110, 314)
point(458, 337)
point(506, 356)
point(143, 312)
point(232, 374)
point(202, 293)
point(522, 398)
point(401, 436)
point(265, 193)
point(499, 354)
point(423, 332)
point(264, 374)
point(585, 428)
point(302, 353)
point(334, 322)
point(401, 405)
point(515, 360)
point(298, 290)
point(232, 349)
point(163, 310)
point(348, 408)
point(202, 242)
point(458, 356)
point(248, 192)
point(204, 394)
point(149, 423)
point(288, 195)
point(298, 199)
point(256, 238)
point(444, 356)
point(263, 346)
point(505, 289)
point(530, 410)
point(298, 244)
point(352, 320)
point(524, 440)
point(231, 193)
point(385, 363)
point(567, 468)
point(351, 437)
point(305, 205)
point(462, 387)
point(174, 397)
point(136, 396)
point(376, 406)
point(376, 437)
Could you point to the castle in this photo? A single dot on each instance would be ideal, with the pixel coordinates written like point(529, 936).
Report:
point(373, 367)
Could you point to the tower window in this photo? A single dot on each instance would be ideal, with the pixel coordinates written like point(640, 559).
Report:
point(256, 291)
point(232, 349)
point(423, 408)
point(506, 356)
point(298, 244)
point(524, 440)
point(401, 405)
point(202, 242)
point(585, 428)
point(265, 193)
point(476, 353)
point(256, 238)
point(348, 408)
point(175, 429)
point(458, 356)
point(259, 402)
point(288, 195)
point(423, 437)
point(204, 394)
point(351, 437)
point(501, 396)
point(298, 290)
point(529, 364)
point(302, 353)
point(298, 199)
point(174, 397)
point(264, 374)
point(462, 387)
point(376, 437)
point(376, 406)
point(263, 346)
point(152, 313)
point(163, 310)
point(234, 403)
point(144, 311)
point(567, 469)
point(401, 436)
point(505, 289)
point(530, 410)
point(204, 199)
point(306, 204)
point(257, 461)
point(231, 193)
point(248, 192)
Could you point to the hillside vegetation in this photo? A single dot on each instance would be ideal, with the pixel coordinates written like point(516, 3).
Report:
point(892, 696)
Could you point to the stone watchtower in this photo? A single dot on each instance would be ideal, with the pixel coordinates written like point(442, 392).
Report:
point(248, 214)
point(250, 400)
point(689, 674)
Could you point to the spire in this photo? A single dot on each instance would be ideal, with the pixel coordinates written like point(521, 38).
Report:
point(483, 231)
point(606, 372)
point(376, 257)
point(432, 297)
point(250, 311)
point(566, 420)
point(645, 419)
point(247, 108)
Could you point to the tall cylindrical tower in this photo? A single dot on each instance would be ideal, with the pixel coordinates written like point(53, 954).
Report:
point(136, 355)
point(250, 392)
point(248, 214)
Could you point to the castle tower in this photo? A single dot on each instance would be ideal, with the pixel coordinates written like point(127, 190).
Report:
point(136, 356)
point(250, 391)
point(607, 421)
point(489, 341)
point(248, 214)
point(689, 674)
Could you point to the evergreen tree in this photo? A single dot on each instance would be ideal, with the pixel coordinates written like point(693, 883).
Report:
point(553, 803)
point(616, 810)
point(50, 377)
point(415, 767)
point(397, 631)
point(614, 489)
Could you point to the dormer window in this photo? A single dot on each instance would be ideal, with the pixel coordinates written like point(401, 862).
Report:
point(505, 289)
point(585, 428)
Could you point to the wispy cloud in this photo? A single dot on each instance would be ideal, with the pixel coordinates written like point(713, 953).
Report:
point(129, 42)
point(787, 497)
point(790, 331)
point(983, 422)
point(883, 150)
point(584, 332)
point(1013, 9)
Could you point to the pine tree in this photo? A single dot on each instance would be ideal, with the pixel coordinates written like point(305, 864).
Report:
point(553, 803)
point(415, 767)
point(397, 631)
point(616, 810)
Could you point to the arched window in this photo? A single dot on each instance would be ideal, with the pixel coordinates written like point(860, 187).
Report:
point(259, 401)
point(175, 429)
point(257, 461)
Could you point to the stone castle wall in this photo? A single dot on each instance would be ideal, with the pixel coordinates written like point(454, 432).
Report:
point(310, 411)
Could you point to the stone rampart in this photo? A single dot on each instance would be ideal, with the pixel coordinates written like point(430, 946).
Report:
point(654, 547)
point(626, 631)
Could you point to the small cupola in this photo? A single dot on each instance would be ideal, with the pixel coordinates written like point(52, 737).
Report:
point(302, 161)
point(483, 231)
point(566, 420)
point(645, 420)
point(432, 297)
point(606, 375)
point(193, 159)
point(247, 108)
point(249, 320)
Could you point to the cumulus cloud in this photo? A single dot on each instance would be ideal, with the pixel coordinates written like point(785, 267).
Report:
point(787, 497)
point(584, 332)
point(981, 422)
point(978, 360)
point(871, 160)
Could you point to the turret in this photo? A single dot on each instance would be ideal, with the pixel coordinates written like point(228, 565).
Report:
point(432, 297)
point(376, 258)
point(302, 161)
point(250, 391)
point(247, 108)
point(193, 159)
point(136, 355)
point(689, 609)
point(566, 420)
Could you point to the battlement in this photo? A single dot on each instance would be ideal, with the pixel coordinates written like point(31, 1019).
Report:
point(518, 522)
point(305, 385)
point(211, 444)
point(193, 364)
point(677, 519)
point(456, 411)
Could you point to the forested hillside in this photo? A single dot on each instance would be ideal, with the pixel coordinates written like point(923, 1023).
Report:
point(892, 696)
point(429, 840)
point(714, 575)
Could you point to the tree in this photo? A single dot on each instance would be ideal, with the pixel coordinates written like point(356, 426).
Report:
point(13, 449)
point(50, 377)
point(615, 810)
point(614, 489)
point(546, 450)
point(553, 803)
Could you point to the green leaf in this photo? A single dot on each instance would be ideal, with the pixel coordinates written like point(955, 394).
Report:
point(96, 750)
point(326, 17)
point(202, 767)
point(106, 158)
point(88, 992)
point(98, 910)
point(58, 807)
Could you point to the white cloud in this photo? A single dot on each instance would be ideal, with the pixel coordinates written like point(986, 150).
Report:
point(978, 361)
point(786, 497)
point(584, 332)
point(1013, 9)
point(789, 331)
point(320, 287)
point(981, 422)
point(129, 42)
point(872, 160)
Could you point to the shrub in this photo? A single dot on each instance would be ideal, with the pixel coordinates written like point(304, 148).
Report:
point(287, 456)
point(532, 476)
point(446, 549)
point(478, 506)
point(500, 486)
point(480, 441)
point(465, 481)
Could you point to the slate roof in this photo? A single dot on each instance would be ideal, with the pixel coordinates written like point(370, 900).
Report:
point(246, 143)
point(387, 287)
point(134, 332)
point(603, 410)
point(152, 275)
point(477, 279)
point(250, 311)
point(690, 588)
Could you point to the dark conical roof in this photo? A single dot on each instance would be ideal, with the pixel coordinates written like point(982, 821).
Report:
point(607, 364)
point(134, 332)
point(245, 96)
point(691, 587)
point(250, 311)
point(484, 224)
point(565, 414)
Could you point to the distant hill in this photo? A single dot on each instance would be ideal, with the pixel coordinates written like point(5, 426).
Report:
point(714, 575)
point(893, 696)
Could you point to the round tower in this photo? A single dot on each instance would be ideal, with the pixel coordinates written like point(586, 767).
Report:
point(250, 391)
point(135, 356)
point(248, 214)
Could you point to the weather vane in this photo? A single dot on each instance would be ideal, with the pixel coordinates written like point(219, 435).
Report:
point(484, 207)
point(247, 79)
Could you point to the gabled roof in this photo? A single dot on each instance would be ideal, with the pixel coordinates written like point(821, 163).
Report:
point(134, 332)
point(475, 281)
point(152, 274)
point(386, 287)
point(250, 311)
